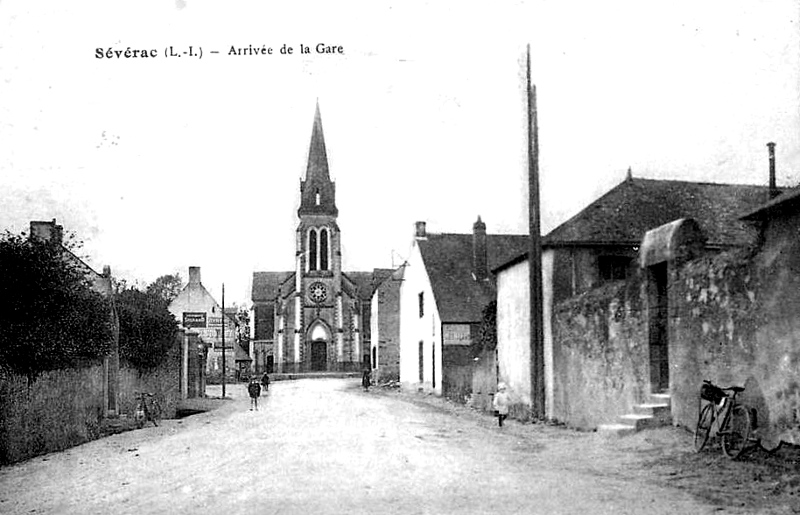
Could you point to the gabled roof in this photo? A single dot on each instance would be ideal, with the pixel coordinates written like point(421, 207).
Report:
point(788, 202)
point(267, 284)
point(448, 261)
point(626, 212)
point(366, 282)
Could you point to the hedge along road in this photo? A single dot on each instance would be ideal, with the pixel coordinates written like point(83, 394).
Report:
point(325, 446)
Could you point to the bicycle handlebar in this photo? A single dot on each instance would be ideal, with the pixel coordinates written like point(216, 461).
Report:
point(729, 388)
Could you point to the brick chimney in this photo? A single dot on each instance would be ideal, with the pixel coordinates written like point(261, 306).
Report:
point(773, 187)
point(47, 231)
point(194, 275)
point(419, 230)
point(479, 267)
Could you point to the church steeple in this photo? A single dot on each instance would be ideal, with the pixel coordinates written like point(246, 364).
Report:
point(317, 191)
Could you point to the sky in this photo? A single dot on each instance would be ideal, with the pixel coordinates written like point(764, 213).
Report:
point(162, 163)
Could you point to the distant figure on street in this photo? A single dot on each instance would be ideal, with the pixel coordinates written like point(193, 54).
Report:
point(500, 403)
point(365, 380)
point(254, 389)
point(265, 382)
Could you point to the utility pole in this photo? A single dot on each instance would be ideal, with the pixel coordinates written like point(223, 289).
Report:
point(223, 340)
point(535, 254)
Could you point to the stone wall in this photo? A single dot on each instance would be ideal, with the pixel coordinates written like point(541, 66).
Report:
point(736, 322)
point(163, 381)
point(734, 319)
point(600, 355)
point(64, 408)
point(59, 409)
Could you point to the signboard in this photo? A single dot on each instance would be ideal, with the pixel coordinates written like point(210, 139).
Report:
point(194, 319)
point(456, 334)
point(230, 337)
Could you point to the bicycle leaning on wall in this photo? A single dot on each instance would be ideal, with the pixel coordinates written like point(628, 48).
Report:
point(147, 409)
point(721, 414)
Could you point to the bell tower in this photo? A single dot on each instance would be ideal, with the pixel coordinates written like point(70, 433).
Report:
point(318, 278)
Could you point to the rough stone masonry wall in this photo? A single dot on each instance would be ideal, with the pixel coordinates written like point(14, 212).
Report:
point(600, 354)
point(736, 322)
point(60, 409)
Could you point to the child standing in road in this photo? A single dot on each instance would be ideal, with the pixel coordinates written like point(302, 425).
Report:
point(500, 403)
point(254, 389)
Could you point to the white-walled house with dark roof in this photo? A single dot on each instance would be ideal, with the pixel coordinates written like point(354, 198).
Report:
point(446, 286)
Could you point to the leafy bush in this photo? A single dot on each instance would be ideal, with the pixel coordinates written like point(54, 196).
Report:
point(146, 328)
point(50, 317)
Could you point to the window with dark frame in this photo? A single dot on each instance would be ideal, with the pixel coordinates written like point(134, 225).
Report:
point(613, 268)
point(421, 304)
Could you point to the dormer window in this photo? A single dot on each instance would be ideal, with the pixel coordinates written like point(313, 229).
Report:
point(316, 196)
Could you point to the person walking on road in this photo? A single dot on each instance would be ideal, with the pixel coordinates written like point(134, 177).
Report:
point(265, 382)
point(500, 403)
point(254, 389)
point(366, 380)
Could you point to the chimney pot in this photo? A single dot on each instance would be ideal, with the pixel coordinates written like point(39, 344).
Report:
point(479, 262)
point(420, 231)
point(773, 186)
point(194, 275)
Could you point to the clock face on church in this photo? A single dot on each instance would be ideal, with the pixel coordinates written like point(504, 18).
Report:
point(317, 292)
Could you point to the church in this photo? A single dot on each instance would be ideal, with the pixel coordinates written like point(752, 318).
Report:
point(315, 318)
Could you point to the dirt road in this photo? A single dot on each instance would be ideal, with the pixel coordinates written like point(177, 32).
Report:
point(325, 446)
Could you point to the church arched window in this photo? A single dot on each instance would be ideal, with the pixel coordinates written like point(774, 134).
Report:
point(312, 249)
point(316, 196)
point(323, 249)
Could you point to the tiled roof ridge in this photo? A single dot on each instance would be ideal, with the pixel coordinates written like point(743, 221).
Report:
point(699, 183)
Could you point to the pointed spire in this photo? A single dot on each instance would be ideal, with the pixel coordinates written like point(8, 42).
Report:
point(317, 191)
point(317, 156)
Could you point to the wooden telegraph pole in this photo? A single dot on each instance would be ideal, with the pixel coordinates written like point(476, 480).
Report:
point(223, 340)
point(535, 254)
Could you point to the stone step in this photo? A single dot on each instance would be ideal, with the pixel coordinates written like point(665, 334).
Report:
point(660, 398)
point(615, 430)
point(636, 420)
point(661, 413)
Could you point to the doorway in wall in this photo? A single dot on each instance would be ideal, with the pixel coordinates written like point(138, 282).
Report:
point(659, 328)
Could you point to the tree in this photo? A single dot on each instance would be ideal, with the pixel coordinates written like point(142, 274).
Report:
point(50, 317)
point(166, 287)
point(146, 328)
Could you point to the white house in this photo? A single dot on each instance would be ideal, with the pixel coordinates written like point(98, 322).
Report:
point(446, 286)
point(194, 308)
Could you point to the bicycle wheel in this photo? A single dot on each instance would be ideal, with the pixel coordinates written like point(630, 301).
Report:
point(703, 428)
point(737, 432)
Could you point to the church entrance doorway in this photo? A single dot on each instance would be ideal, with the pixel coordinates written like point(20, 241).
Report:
point(318, 338)
point(319, 356)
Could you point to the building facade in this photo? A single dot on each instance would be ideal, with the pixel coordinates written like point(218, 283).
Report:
point(445, 289)
point(315, 318)
point(196, 310)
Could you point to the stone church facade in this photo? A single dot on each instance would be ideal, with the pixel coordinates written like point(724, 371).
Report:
point(315, 318)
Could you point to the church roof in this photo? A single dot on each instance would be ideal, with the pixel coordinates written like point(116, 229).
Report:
point(365, 282)
point(626, 212)
point(267, 284)
point(448, 261)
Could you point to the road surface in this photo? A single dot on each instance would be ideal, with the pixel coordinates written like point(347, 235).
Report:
point(324, 446)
